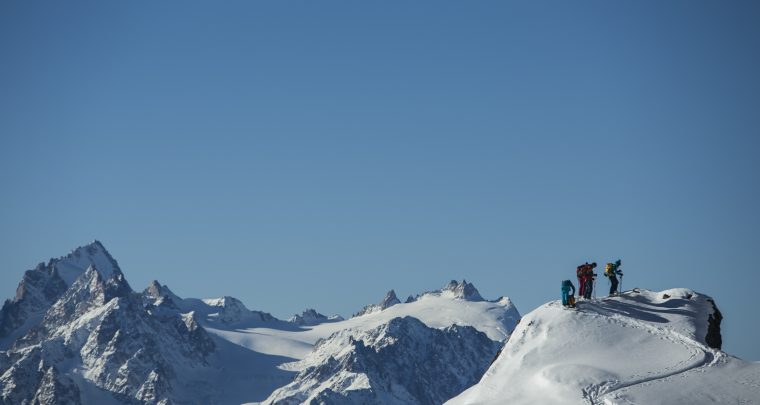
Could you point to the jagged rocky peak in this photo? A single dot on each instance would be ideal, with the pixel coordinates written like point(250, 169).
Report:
point(156, 290)
point(71, 266)
point(88, 293)
point(311, 317)
point(97, 323)
point(388, 301)
point(42, 286)
point(134, 353)
point(158, 294)
point(462, 290)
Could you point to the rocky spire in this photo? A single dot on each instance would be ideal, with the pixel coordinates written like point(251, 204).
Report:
point(388, 301)
point(462, 290)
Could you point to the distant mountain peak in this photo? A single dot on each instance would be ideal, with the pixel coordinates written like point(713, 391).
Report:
point(311, 317)
point(71, 266)
point(453, 289)
point(462, 290)
point(388, 301)
point(231, 310)
point(156, 291)
point(47, 282)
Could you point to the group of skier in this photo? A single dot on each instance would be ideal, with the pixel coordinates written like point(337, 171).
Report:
point(586, 278)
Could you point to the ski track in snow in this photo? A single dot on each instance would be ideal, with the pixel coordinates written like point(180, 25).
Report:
point(701, 357)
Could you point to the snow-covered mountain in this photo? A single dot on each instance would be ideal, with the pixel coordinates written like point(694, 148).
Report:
point(402, 361)
point(77, 333)
point(42, 286)
point(438, 309)
point(642, 347)
point(99, 337)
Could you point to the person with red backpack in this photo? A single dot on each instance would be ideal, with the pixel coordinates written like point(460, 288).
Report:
point(585, 274)
point(589, 280)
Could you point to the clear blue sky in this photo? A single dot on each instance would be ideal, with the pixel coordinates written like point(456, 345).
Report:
point(316, 154)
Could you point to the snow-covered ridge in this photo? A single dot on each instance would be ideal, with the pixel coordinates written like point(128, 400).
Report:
point(223, 310)
point(642, 347)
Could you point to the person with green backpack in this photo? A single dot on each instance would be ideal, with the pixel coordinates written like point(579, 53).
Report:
point(611, 271)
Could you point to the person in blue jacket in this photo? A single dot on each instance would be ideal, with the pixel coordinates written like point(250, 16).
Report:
point(567, 285)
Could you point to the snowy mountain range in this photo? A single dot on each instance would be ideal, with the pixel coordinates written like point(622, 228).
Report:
point(77, 333)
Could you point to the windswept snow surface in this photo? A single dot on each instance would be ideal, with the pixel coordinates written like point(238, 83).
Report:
point(637, 348)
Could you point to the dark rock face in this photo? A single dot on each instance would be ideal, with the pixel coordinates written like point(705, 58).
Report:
point(35, 293)
point(713, 338)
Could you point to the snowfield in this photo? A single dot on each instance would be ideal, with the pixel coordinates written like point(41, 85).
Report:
point(436, 310)
point(641, 347)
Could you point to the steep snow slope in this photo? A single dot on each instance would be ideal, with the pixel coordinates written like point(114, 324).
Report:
point(639, 348)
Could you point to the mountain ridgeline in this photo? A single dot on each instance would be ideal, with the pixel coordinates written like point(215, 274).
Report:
point(77, 333)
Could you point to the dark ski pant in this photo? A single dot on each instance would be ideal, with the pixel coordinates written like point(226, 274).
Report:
point(589, 288)
point(581, 287)
point(613, 287)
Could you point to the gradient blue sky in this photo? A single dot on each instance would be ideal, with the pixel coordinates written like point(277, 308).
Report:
point(316, 154)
